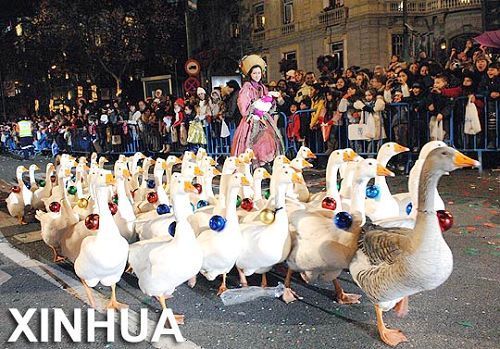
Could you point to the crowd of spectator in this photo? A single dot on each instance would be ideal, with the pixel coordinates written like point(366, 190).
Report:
point(419, 96)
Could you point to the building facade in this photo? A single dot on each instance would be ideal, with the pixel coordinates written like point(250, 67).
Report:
point(359, 32)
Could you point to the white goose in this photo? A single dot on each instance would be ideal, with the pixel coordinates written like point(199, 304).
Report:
point(161, 265)
point(44, 191)
point(103, 256)
point(16, 201)
point(265, 245)
point(384, 206)
point(221, 248)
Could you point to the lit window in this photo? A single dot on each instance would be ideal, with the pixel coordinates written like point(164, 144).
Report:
point(259, 18)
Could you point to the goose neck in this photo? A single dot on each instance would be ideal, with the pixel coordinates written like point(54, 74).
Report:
point(331, 180)
point(358, 195)
point(230, 203)
point(257, 189)
point(427, 189)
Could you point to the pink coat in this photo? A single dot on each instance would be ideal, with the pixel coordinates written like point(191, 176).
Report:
point(268, 144)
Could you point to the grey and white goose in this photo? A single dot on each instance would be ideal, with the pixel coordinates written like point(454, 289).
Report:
point(394, 263)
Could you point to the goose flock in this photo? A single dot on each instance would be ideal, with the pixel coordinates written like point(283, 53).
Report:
point(168, 227)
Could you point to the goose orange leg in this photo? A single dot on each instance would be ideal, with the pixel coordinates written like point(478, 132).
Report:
point(57, 257)
point(222, 287)
point(243, 278)
point(88, 291)
point(178, 318)
point(401, 308)
point(113, 303)
point(345, 298)
point(390, 337)
point(263, 283)
point(289, 295)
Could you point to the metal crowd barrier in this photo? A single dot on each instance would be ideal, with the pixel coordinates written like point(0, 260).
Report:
point(400, 121)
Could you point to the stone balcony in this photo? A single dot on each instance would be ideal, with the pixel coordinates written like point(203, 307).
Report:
point(432, 5)
point(333, 17)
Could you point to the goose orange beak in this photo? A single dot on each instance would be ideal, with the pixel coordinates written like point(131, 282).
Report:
point(350, 155)
point(383, 171)
point(110, 180)
point(286, 160)
point(311, 155)
point(216, 172)
point(245, 182)
point(178, 161)
point(164, 165)
point(67, 172)
point(213, 162)
point(126, 173)
point(306, 164)
point(189, 188)
point(461, 160)
point(266, 175)
point(297, 179)
point(238, 162)
point(198, 172)
point(398, 148)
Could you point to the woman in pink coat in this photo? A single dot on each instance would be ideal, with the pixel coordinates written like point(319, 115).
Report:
point(262, 136)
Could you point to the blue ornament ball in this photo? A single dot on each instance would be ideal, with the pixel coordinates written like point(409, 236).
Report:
point(162, 209)
point(343, 220)
point(201, 203)
point(151, 184)
point(171, 228)
point(409, 207)
point(217, 223)
point(372, 191)
point(27, 185)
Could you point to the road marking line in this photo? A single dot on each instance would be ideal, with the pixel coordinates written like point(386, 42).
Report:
point(26, 238)
point(4, 277)
point(75, 288)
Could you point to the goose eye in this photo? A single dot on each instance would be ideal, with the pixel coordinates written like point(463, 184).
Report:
point(444, 153)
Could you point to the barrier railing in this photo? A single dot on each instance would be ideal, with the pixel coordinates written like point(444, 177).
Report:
point(401, 122)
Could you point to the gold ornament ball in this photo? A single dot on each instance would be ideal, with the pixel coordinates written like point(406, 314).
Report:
point(82, 203)
point(266, 216)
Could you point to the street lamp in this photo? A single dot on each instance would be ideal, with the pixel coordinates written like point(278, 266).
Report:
point(405, 30)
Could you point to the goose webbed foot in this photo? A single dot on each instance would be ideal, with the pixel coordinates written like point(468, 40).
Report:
point(290, 295)
point(390, 337)
point(345, 298)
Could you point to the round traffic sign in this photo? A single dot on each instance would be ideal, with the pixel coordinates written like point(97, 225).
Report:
point(192, 67)
point(191, 84)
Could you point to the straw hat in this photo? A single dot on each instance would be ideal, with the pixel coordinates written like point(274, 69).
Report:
point(250, 61)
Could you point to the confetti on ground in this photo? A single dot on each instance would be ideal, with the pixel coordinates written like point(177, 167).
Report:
point(495, 253)
point(489, 225)
point(465, 323)
point(471, 229)
point(471, 251)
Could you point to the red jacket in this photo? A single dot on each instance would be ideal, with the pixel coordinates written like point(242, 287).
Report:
point(293, 128)
point(179, 119)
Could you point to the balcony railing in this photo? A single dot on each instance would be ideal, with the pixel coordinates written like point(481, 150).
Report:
point(332, 17)
point(433, 5)
point(287, 28)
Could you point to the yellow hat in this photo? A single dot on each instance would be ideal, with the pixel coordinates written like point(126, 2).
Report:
point(250, 61)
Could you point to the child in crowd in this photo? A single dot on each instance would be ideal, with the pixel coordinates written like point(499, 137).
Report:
point(305, 121)
point(196, 133)
point(439, 107)
point(293, 128)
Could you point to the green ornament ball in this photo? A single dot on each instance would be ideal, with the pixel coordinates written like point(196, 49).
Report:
point(238, 201)
point(267, 194)
point(72, 190)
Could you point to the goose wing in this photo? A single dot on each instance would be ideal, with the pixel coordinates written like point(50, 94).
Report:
point(384, 245)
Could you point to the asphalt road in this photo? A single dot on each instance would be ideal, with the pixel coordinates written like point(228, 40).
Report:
point(462, 313)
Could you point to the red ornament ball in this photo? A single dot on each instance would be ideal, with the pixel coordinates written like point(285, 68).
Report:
point(15, 189)
point(445, 219)
point(92, 221)
point(152, 197)
point(329, 203)
point(55, 207)
point(53, 178)
point(113, 207)
point(247, 204)
point(198, 187)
